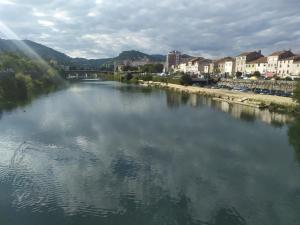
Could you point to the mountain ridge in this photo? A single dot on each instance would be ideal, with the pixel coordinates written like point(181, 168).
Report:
point(29, 48)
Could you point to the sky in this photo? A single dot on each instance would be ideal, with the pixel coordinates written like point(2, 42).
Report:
point(104, 28)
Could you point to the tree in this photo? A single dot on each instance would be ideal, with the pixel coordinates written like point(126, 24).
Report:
point(128, 76)
point(296, 95)
point(257, 74)
point(186, 80)
point(238, 74)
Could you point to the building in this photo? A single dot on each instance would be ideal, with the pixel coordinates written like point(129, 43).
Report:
point(229, 67)
point(289, 67)
point(195, 66)
point(259, 65)
point(225, 66)
point(173, 59)
point(273, 59)
point(245, 57)
point(296, 66)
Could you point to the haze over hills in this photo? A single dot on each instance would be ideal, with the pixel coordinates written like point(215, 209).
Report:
point(28, 48)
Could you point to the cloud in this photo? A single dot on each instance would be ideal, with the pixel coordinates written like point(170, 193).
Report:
point(212, 28)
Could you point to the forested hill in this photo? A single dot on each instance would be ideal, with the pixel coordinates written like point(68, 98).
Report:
point(29, 48)
point(22, 77)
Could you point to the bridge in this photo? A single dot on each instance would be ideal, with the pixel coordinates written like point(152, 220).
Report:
point(85, 74)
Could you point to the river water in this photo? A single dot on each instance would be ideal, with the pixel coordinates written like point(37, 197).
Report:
point(108, 153)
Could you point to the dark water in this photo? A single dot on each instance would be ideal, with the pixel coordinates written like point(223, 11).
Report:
point(105, 153)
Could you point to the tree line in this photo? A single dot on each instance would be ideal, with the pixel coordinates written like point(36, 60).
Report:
point(22, 77)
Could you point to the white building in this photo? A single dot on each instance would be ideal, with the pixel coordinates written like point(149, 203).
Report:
point(194, 66)
point(289, 67)
point(273, 60)
point(259, 65)
point(245, 57)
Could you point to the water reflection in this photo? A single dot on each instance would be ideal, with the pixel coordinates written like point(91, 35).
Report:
point(294, 137)
point(111, 155)
point(246, 113)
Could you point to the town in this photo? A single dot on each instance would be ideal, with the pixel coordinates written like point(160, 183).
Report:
point(280, 64)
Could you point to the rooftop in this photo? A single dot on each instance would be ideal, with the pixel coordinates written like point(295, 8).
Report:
point(259, 60)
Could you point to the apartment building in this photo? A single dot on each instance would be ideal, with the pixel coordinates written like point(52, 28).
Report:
point(242, 59)
point(273, 62)
point(195, 66)
point(225, 66)
point(173, 59)
point(289, 66)
point(259, 65)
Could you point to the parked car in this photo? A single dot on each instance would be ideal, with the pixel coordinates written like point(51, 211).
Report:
point(257, 90)
point(287, 94)
point(279, 93)
point(265, 92)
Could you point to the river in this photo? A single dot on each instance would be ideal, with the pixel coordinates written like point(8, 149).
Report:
point(108, 153)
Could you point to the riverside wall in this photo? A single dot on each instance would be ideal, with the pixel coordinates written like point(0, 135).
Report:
point(286, 86)
point(274, 103)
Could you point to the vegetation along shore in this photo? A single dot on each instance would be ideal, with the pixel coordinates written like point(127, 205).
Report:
point(23, 78)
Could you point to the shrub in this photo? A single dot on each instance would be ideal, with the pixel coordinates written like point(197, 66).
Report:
point(186, 80)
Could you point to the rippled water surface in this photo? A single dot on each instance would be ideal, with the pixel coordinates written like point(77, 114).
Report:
point(106, 153)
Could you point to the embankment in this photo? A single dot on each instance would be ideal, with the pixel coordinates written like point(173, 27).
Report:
point(274, 103)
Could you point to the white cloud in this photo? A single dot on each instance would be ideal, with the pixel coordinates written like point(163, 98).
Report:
point(207, 27)
point(7, 2)
point(46, 23)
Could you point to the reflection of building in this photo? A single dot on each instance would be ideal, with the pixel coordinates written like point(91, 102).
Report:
point(250, 113)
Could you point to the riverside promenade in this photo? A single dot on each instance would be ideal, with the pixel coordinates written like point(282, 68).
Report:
point(249, 99)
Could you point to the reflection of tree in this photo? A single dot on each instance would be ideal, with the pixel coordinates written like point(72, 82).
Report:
point(185, 97)
point(135, 89)
point(294, 137)
point(228, 217)
point(165, 210)
point(175, 99)
point(246, 116)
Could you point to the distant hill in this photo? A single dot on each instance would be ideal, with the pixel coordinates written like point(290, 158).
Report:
point(26, 47)
point(136, 55)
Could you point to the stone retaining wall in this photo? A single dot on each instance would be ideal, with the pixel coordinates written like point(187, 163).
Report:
point(287, 86)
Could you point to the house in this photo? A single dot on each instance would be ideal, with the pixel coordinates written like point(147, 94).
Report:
point(289, 66)
point(273, 60)
point(259, 65)
point(194, 66)
point(225, 66)
point(242, 59)
point(296, 66)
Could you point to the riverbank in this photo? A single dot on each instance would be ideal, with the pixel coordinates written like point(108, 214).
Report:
point(273, 103)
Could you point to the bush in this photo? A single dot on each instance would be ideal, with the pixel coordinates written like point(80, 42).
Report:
point(147, 77)
point(186, 80)
point(296, 95)
point(24, 87)
point(238, 74)
point(257, 74)
point(128, 76)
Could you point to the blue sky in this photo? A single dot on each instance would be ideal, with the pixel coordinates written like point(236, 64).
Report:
point(99, 28)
